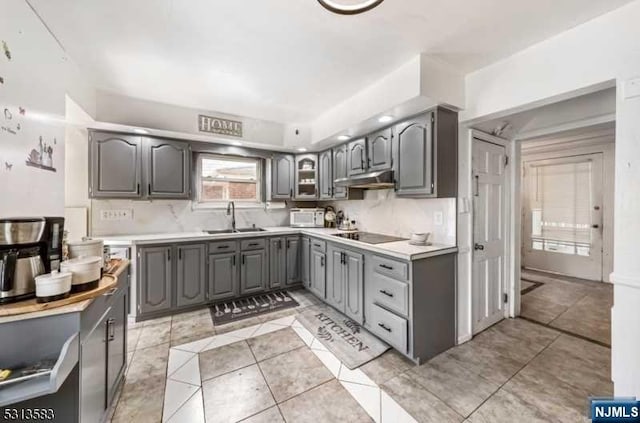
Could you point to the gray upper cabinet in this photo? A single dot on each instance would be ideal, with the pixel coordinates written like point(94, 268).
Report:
point(415, 162)
point(325, 178)
point(306, 182)
point(354, 285)
point(167, 166)
point(293, 268)
point(191, 282)
point(277, 262)
point(340, 170)
point(155, 277)
point(116, 163)
point(426, 155)
point(282, 176)
point(253, 274)
point(223, 276)
point(318, 273)
point(357, 157)
point(379, 150)
point(305, 261)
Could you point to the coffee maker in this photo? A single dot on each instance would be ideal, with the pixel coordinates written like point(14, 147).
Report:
point(28, 247)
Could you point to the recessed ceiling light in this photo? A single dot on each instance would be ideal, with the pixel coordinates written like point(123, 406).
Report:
point(302, 149)
point(237, 143)
point(343, 7)
point(385, 118)
point(344, 137)
point(140, 131)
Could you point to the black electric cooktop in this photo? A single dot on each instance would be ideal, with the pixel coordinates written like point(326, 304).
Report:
point(369, 237)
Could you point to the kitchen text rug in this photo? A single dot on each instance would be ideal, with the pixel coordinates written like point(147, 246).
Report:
point(232, 311)
point(345, 338)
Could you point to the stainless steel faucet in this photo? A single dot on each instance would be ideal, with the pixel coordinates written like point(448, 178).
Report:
point(231, 210)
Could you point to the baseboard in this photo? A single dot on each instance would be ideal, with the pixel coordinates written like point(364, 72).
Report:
point(463, 339)
point(629, 281)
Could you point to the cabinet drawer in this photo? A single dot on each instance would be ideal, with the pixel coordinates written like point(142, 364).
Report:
point(317, 245)
point(395, 269)
point(222, 247)
point(390, 293)
point(389, 327)
point(252, 244)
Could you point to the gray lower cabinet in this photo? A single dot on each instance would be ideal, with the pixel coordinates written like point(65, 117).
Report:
point(379, 150)
point(223, 276)
point(357, 157)
point(155, 279)
point(305, 260)
point(282, 176)
point(293, 269)
point(318, 273)
point(191, 281)
point(325, 176)
point(284, 261)
point(116, 342)
point(253, 274)
point(93, 374)
point(116, 165)
point(167, 168)
point(345, 281)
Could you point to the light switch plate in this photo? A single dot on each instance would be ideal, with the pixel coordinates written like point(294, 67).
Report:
point(632, 88)
point(438, 218)
point(119, 214)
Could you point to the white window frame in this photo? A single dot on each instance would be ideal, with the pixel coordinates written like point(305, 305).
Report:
point(254, 203)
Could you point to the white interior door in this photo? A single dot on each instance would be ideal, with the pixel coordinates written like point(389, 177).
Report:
point(562, 221)
point(489, 209)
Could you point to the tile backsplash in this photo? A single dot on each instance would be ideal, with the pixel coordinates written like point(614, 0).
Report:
point(382, 212)
point(164, 216)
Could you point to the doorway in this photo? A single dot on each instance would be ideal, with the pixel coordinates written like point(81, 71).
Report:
point(562, 215)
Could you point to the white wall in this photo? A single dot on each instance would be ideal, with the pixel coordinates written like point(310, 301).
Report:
point(35, 80)
point(583, 59)
point(382, 212)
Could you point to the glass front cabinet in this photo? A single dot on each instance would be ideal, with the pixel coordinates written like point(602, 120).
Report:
point(306, 182)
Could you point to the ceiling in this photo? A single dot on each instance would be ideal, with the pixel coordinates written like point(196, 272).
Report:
point(288, 60)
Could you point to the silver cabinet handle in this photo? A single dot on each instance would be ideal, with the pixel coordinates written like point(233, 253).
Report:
point(111, 331)
point(477, 193)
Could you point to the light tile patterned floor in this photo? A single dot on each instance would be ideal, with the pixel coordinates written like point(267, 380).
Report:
point(514, 368)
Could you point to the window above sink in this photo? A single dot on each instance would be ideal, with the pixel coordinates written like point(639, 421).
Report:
point(220, 179)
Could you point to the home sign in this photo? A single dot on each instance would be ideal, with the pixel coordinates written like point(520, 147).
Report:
point(220, 126)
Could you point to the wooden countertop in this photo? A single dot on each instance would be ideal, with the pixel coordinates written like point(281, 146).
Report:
point(30, 309)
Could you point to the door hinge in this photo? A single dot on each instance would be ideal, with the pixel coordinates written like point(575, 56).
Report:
point(506, 161)
point(505, 298)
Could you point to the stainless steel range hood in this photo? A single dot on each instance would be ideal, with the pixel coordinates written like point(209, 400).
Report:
point(381, 179)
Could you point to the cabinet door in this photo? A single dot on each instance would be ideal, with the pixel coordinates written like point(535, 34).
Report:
point(318, 274)
point(340, 170)
point(191, 281)
point(277, 262)
point(335, 278)
point(414, 157)
point(357, 157)
point(93, 377)
point(168, 168)
point(354, 285)
point(306, 181)
point(282, 174)
point(116, 342)
point(253, 271)
point(116, 165)
point(379, 150)
point(223, 276)
point(155, 279)
point(325, 174)
point(293, 275)
point(305, 261)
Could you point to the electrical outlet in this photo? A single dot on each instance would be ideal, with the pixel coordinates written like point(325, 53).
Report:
point(438, 218)
point(119, 214)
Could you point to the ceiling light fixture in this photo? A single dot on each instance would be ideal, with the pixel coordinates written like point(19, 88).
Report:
point(302, 149)
point(344, 137)
point(140, 131)
point(343, 7)
point(385, 119)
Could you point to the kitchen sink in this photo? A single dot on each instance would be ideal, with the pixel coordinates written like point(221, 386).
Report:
point(231, 231)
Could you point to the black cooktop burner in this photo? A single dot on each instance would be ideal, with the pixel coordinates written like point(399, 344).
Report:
point(368, 237)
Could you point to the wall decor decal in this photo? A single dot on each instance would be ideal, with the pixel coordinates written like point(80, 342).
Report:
point(7, 114)
point(8, 166)
point(42, 157)
point(6, 50)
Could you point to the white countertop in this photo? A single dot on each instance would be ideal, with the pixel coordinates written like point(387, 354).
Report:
point(398, 249)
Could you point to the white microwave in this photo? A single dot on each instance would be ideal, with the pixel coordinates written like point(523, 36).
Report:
point(306, 218)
